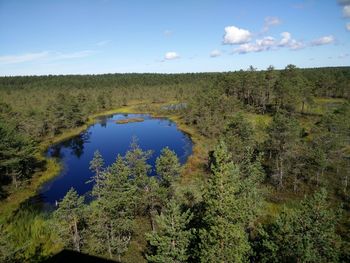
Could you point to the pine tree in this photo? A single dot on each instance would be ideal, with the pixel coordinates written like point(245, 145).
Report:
point(170, 241)
point(283, 138)
point(154, 198)
point(112, 213)
point(136, 160)
point(68, 217)
point(96, 166)
point(304, 234)
point(168, 167)
point(17, 154)
point(227, 214)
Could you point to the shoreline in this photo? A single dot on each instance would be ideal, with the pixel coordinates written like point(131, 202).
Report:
point(53, 167)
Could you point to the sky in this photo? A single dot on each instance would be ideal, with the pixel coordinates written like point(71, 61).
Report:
point(41, 37)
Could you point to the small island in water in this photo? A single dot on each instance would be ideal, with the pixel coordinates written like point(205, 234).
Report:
point(125, 121)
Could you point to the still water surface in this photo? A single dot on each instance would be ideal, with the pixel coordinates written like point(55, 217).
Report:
point(110, 139)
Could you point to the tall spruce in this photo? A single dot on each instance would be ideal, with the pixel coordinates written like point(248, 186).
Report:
point(168, 167)
point(136, 159)
point(227, 216)
point(96, 166)
point(68, 218)
point(112, 213)
point(171, 240)
point(284, 133)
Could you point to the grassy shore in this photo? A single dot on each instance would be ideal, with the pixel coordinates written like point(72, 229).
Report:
point(52, 168)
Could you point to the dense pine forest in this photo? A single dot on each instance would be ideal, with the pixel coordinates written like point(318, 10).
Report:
point(268, 180)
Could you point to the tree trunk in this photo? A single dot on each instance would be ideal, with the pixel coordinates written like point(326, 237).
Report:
point(281, 172)
point(14, 180)
point(295, 186)
point(345, 183)
point(76, 236)
point(109, 245)
point(152, 219)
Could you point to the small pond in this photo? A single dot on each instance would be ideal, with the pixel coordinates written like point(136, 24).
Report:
point(110, 138)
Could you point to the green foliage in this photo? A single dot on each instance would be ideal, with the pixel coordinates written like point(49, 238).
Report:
point(171, 240)
point(230, 209)
point(232, 202)
point(96, 166)
point(68, 218)
point(304, 234)
point(136, 160)
point(17, 154)
point(111, 214)
point(64, 112)
point(238, 135)
point(168, 167)
point(28, 237)
point(284, 134)
point(208, 111)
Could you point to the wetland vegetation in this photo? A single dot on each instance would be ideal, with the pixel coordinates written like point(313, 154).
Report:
point(267, 179)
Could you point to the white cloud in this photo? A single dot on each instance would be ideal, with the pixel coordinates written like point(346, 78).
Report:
point(347, 26)
point(235, 35)
point(13, 59)
point(286, 38)
point(270, 43)
point(346, 11)
point(171, 55)
point(247, 48)
point(295, 45)
point(322, 41)
point(270, 21)
point(44, 56)
point(288, 41)
point(215, 53)
point(264, 44)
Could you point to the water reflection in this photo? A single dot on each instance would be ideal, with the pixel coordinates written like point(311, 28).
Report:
point(75, 144)
point(111, 139)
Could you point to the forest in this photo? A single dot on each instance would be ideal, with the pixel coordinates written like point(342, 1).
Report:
point(268, 179)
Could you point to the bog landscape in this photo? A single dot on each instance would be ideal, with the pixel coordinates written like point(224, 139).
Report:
point(175, 131)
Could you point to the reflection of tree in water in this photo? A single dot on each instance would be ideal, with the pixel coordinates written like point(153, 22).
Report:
point(55, 151)
point(103, 121)
point(76, 144)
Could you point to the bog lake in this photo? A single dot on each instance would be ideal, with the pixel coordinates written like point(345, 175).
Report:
point(110, 135)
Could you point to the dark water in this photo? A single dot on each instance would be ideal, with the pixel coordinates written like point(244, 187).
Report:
point(110, 139)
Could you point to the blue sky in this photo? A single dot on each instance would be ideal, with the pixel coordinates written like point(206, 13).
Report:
point(106, 36)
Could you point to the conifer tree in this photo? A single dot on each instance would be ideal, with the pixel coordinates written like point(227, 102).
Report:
point(283, 138)
point(227, 215)
point(96, 166)
point(112, 213)
point(154, 198)
point(68, 217)
point(304, 234)
point(170, 241)
point(168, 167)
point(136, 160)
